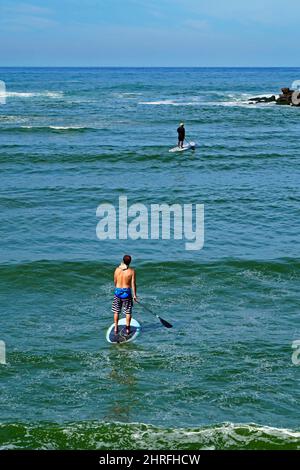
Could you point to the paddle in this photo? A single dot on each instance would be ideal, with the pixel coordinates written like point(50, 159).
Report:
point(164, 322)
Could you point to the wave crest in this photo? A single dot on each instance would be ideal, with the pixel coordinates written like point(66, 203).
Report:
point(133, 436)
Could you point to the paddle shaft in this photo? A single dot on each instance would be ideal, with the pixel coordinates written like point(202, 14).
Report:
point(164, 322)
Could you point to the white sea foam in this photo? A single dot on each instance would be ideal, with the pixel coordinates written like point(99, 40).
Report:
point(229, 434)
point(194, 102)
point(158, 103)
point(199, 104)
point(141, 436)
point(230, 99)
point(65, 128)
point(48, 94)
point(127, 94)
point(239, 102)
point(53, 94)
point(10, 94)
point(57, 128)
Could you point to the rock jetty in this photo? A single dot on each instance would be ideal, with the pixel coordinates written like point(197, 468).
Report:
point(288, 97)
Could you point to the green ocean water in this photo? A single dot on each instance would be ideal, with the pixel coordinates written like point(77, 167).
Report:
point(223, 377)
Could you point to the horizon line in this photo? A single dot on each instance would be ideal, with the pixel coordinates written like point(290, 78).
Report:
point(153, 66)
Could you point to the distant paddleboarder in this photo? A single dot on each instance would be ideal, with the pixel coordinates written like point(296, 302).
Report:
point(125, 292)
point(181, 135)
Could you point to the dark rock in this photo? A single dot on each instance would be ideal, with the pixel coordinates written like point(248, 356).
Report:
point(263, 99)
point(286, 97)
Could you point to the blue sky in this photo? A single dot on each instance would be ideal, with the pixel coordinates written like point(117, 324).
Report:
point(149, 33)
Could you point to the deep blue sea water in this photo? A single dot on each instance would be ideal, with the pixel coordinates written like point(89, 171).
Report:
point(223, 377)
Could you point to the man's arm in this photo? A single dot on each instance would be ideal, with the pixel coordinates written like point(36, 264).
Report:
point(133, 285)
point(115, 277)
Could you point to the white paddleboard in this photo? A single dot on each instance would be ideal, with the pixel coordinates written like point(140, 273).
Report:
point(188, 146)
point(121, 337)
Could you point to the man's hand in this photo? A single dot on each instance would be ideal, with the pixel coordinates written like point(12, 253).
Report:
point(135, 299)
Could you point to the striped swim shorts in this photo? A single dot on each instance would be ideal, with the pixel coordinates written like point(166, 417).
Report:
point(125, 304)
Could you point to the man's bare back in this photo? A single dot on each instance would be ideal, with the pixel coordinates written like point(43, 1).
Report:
point(124, 278)
point(125, 292)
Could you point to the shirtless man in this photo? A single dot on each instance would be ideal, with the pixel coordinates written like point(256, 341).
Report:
point(125, 291)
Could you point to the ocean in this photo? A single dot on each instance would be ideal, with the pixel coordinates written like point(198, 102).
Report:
point(223, 376)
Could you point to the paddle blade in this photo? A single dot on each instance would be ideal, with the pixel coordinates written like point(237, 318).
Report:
point(165, 323)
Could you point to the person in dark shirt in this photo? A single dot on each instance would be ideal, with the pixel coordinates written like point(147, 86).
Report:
point(181, 135)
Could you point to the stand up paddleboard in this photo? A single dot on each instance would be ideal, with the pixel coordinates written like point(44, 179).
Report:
point(121, 337)
point(188, 146)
